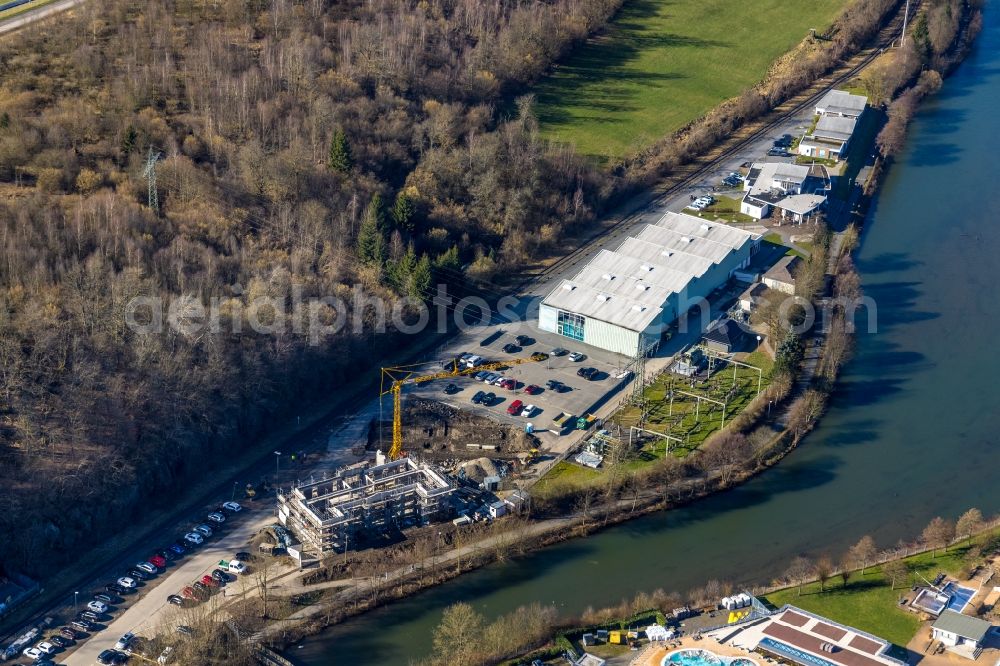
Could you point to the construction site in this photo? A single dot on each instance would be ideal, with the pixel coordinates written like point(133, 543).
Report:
point(365, 499)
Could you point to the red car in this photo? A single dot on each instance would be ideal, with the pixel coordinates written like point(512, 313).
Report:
point(157, 561)
point(188, 593)
point(515, 407)
point(508, 384)
point(531, 389)
point(208, 580)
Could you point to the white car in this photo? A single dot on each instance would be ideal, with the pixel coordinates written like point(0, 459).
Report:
point(528, 410)
point(236, 567)
point(232, 506)
point(216, 517)
point(33, 653)
point(46, 647)
point(166, 656)
point(147, 567)
point(125, 640)
point(98, 607)
point(204, 529)
point(194, 538)
point(127, 582)
point(577, 356)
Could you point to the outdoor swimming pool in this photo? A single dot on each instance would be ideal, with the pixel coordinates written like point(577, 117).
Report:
point(703, 658)
point(959, 596)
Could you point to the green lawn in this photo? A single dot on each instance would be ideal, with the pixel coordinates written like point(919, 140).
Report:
point(564, 475)
point(727, 209)
point(684, 418)
point(869, 603)
point(664, 63)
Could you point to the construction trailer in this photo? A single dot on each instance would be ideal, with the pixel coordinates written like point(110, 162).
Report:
point(331, 514)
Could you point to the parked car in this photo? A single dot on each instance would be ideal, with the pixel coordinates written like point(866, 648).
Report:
point(220, 575)
point(167, 555)
point(489, 399)
point(184, 629)
point(148, 567)
point(125, 640)
point(194, 538)
point(105, 598)
point(46, 647)
point(106, 657)
point(508, 384)
point(481, 375)
point(127, 582)
point(559, 351)
point(89, 616)
point(166, 656)
point(576, 357)
point(198, 585)
point(242, 556)
point(175, 599)
point(204, 529)
point(81, 625)
point(515, 407)
point(178, 548)
point(32, 653)
point(232, 506)
point(188, 593)
point(216, 517)
point(499, 380)
point(478, 397)
point(208, 581)
point(539, 356)
point(531, 389)
point(511, 348)
point(138, 574)
point(524, 340)
point(60, 640)
point(158, 561)
point(587, 373)
point(68, 632)
point(528, 410)
point(490, 377)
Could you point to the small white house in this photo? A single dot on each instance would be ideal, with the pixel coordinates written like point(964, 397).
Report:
point(781, 276)
point(963, 634)
point(841, 103)
point(497, 509)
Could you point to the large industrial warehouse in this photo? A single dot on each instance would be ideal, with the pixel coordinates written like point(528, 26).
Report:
point(623, 299)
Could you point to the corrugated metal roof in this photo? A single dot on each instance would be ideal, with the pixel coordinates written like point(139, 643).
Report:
point(841, 101)
point(628, 287)
point(834, 127)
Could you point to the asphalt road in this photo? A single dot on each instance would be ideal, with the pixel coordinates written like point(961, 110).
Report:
point(31, 16)
point(150, 613)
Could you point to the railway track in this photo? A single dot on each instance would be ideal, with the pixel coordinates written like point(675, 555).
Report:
point(752, 132)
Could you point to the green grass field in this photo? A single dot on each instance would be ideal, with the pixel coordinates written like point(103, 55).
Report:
point(868, 602)
point(664, 63)
point(687, 420)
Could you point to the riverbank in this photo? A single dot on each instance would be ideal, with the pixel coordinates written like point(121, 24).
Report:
point(814, 472)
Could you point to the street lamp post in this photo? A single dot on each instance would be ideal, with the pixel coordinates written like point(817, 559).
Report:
point(769, 403)
point(76, 601)
point(235, 483)
point(277, 459)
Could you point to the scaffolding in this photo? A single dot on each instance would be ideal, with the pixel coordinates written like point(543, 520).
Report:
point(330, 514)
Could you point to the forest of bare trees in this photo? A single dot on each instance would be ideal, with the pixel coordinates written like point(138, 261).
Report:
point(306, 147)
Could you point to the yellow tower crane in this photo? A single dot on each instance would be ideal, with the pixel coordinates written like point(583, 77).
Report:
point(393, 380)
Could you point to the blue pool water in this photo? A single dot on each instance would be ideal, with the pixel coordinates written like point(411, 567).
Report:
point(704, 658)
point(959, 596)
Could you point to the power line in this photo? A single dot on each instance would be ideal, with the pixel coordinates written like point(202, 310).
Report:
point(150, 174)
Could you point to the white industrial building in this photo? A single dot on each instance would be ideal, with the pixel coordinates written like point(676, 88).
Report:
point(623, 299)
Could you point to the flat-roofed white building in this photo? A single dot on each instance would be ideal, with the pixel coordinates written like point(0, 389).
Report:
point(623, 299)
point(841, 103)
point(830, 138)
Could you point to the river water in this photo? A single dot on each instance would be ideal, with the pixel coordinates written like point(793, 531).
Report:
point(911, 432)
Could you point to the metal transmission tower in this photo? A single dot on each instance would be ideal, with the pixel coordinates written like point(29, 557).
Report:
point(149, 173)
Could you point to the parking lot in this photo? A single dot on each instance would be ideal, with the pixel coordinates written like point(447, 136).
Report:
point(578, 395)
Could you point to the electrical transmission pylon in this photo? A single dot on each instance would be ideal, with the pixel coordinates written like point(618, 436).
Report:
point(150, 175)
